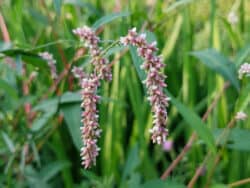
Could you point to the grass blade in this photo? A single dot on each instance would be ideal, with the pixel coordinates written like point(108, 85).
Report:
point(220, 64)
point(109, 18)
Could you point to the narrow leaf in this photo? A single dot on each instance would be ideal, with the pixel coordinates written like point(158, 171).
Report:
point(220, 64)
point(237, 139)
point(28, 57)
point(170, 44)
point(72, 115)
point(162, 184)
point(131, 163)
point(52, 169)
point(194, 121)
point(109, 18)
point(70, 97)
point(49, 108)
point(137, 63)
point(57, 6)
point(242, 55)
point(8, 142)
point(177, 4)
point(8, 89)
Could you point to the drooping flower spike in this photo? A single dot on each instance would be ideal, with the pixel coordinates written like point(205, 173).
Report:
point(51, 62)
point(101, 66)
point(90, 130)
point(154, 82)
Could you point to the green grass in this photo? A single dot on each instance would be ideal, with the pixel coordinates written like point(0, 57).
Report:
point(202, 51)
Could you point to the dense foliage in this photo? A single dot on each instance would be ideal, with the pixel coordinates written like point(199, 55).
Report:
point(204, 45)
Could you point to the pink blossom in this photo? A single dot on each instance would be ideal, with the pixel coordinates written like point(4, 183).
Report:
point(154, 82)
point(101, 64)
point(240, 116)
point(244, 70)
point(90, 130)
point(78, 73)
point(51, 62)
point(167, 145)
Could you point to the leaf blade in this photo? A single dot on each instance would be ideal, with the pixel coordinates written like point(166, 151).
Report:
point(72, 115)
point(220, 64)
point(108, 18)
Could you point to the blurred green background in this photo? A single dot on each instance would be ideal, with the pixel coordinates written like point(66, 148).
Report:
point(203, 43)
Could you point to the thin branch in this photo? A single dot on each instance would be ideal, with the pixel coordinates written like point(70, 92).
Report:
point(238, 183)
point(194, 135)
point(5, 33)
point(198, 172)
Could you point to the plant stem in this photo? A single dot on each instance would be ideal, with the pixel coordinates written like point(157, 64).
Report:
point(238, 183)
point(194, 135)
point(202, 166)
point(5, 33)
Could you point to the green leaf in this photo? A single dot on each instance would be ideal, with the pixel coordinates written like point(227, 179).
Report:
point(5, 46)
point(243, 99)
point(194, 121)
point(72, 115)
point(38, 17)
point(70, 97)
point(162, 184)
point(237, 139)
point(40, 122)
point(49, 107)
point(109, 18)
point(52, 169)
point(177, 4)
point(235, 37)
point(35, 152)
point(137, 62)
point(114, 50)
point(28, 57)
point(46, 105)
point(80, 3)
point(170, 44)
point(242, 55)
point(8, 142)
point(220, 64)
point(57, 6)
point(19, 65)
point(219, 186)
point(132, 162)
point(8, 89)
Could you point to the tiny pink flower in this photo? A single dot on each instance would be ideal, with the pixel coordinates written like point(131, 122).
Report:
point(78, 73)
point(167, 145)
point(101, 64)
point(240, 116)
point(51, 62)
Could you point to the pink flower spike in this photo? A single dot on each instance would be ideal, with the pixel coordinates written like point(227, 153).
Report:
point(154, 82)
point(101, 64)
point(90, 131)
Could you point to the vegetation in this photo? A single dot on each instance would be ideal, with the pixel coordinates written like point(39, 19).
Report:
point(203, 43)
